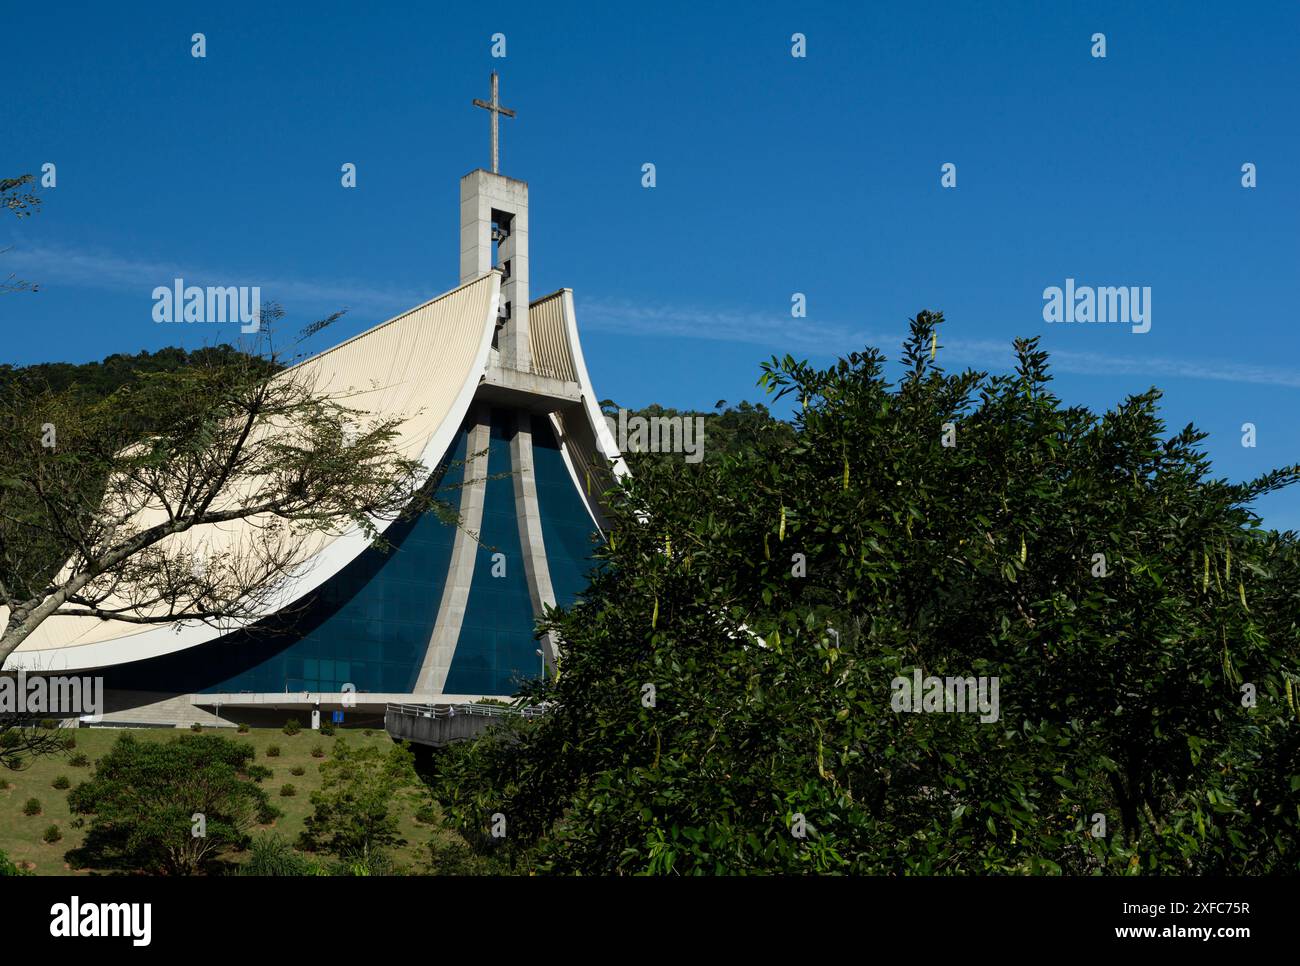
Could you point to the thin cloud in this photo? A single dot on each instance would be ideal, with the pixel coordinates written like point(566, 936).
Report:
point(51, 266)
point(822, 338)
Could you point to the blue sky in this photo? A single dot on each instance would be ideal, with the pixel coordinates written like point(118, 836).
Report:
point(776, 175)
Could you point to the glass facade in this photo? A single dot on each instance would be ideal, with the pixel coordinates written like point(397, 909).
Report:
point(370, 625)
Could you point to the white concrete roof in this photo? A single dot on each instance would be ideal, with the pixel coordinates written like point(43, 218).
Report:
point(422, 366)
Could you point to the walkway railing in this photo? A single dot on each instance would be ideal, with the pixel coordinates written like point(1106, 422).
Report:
point(440, 725)
point(451, 710)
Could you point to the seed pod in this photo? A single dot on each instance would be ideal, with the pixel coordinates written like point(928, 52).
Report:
point(1241, 592)
point(1024, 550)
point(654, 617)
point(780, 533)
point(846, 474)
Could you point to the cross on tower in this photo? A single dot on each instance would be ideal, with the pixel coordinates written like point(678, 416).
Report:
point(495, 109)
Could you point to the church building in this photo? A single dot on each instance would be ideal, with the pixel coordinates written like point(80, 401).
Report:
point(495, 400)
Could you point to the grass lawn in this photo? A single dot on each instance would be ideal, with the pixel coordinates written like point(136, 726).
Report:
point(21, 835)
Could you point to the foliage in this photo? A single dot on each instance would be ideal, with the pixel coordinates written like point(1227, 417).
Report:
point(51, 835)
point(353, 815)
point(7, 867)
point(20, 742)
point(32, 806)
point(17, 198)
point(745, 428)
point(271, 854)
point(144, 795)
point(771, 600)
point(108, 503)
point(292, 727)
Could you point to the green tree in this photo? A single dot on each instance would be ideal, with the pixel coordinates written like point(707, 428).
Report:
point(724, 701)
point(144, 796)
point(744, 428)
point(15, 197)
point(353, 811)
point(101, 497)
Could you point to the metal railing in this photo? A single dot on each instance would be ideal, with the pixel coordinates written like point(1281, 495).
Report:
point(452, 710)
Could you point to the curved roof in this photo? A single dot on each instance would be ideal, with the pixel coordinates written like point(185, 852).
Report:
point(421, 367)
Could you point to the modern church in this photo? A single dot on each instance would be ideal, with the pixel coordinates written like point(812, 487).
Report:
point(495, 399)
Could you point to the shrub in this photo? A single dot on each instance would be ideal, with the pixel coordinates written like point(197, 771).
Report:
point(426, 814)
point(368, 732)
point(292, 727)
point(353, 812)
point(139, 802)
point(297, 770)
point(9, 868)
point(49, 724)
point(79, 760)
point(272, 751)
point(288, 791)
point(272, 855)
point(317, 751)
point(327, 730)
point(52, 834)
point(196, 726)
point(5, 785)
point(242, 729)
point(61, 782)
point(32, 806)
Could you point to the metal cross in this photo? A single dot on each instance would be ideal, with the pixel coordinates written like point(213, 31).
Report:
point(495, 109)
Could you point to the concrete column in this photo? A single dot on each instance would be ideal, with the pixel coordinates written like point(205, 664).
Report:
point(529, 516)
point(460, 573)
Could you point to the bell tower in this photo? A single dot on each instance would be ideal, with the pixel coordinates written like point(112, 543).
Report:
point(494, 234)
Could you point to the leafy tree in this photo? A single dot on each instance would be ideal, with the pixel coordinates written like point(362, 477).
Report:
point(747, 427)
point(353, 815)
point(144, 795)
point(15, 197)
point(725, 695)
point(95, 380)
point(103, 500)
